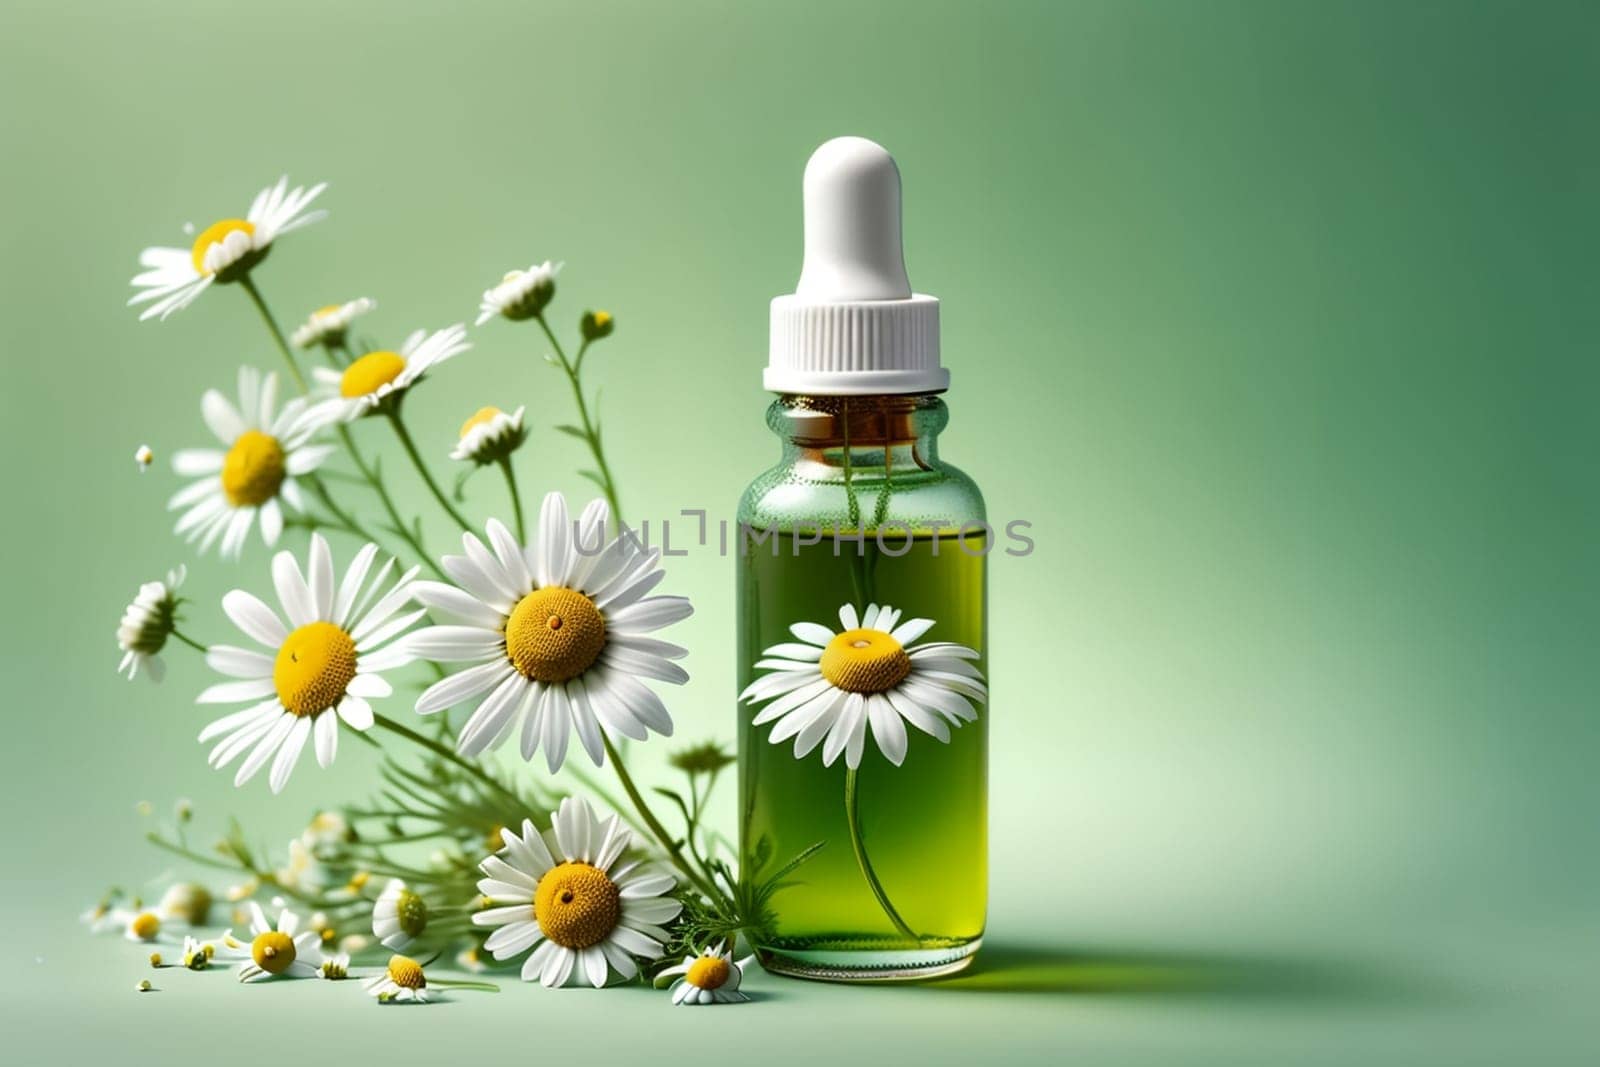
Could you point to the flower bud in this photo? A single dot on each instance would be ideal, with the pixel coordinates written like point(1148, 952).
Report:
point(596, 324)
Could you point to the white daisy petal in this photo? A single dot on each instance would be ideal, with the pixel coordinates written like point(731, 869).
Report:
point(551, 561)
point(252, 616)
point(462, 686)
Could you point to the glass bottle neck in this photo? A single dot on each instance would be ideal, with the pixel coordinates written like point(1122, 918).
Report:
point(832, 435)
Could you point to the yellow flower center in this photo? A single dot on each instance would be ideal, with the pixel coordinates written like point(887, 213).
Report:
point(482, 416)
point(576, 905)
point(865, 661)
point(253, 469)
point(406, 973)
point(554, 634)
point(371, 372)
point(411, 912)
point(326, 309)
point(314, 666)
point(145, 925)
point(213, 234)
point(602, 319)
point(708, 972)
point(272, 951)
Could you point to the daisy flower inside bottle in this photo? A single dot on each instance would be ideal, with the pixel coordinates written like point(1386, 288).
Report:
point(863, 712)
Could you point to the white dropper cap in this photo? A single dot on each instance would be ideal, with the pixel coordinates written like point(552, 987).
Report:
point(853, 326)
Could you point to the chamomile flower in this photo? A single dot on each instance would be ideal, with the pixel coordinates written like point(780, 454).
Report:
point(370, 380)
point(188, 901)
point(335, 967)
point(328, 325)
point(103, 917)
point(401, 982)
point(303, 873)
point(143, 456)
point(559, 635)
point(273, 951)
point(399, 916)
point(149, 926)
point(712, 977)
point(146, 625)
point(323, 670)
point(265, 450)
point(327, 834)
point(197, 954)
point(830, 686)
point(224, 252)
point(521, 294)
point(567, 895)
point(489, 436)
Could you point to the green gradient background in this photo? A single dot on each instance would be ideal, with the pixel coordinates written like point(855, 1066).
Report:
point(1277, 320)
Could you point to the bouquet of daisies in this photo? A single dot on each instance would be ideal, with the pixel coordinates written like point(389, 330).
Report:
point(547, 637)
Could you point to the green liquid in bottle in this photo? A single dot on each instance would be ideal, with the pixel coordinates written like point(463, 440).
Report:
point(922, 825)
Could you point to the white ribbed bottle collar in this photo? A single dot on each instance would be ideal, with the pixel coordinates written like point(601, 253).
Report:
point(855, 348)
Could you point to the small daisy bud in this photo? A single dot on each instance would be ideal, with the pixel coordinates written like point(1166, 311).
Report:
point(143, 456)
point(144, 985)
point(144, 808)
point(155, 959)
point(185, 809)
point(596, 324)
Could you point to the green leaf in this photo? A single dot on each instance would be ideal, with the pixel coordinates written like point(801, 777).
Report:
point(594, 476)
point(572, 431)
point(789, 868)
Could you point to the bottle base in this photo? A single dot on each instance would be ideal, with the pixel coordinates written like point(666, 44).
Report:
point(868, 965)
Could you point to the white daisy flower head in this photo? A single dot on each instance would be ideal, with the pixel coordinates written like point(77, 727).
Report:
point(224, 251)
point(304, 873)
point(521, 294)
point(323, 670)
point(712, 977)
point(103, 917)
point(829, 687)
point(143, 456)
point(570, 897)
point(399, 916)
point(558, 633)
point(188, 901)
point(380, 378)
point(490, 435)
point(273, 951)
point(329, 325)
point(327, 834)
point(149, 926)
point(402, 982)
point(335, 968)
point(147, 623)
point(265, 451)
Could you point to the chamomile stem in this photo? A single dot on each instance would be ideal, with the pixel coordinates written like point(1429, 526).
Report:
point(591, 435)
point(663, 838)
point(445, 752)
point(422, 468)
point(400, 527)
point(191, 642)
point(852, 810)
point(248, 284)
point(266, 877)
point(342, 519)
point(516, 498)
point(482, 987)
